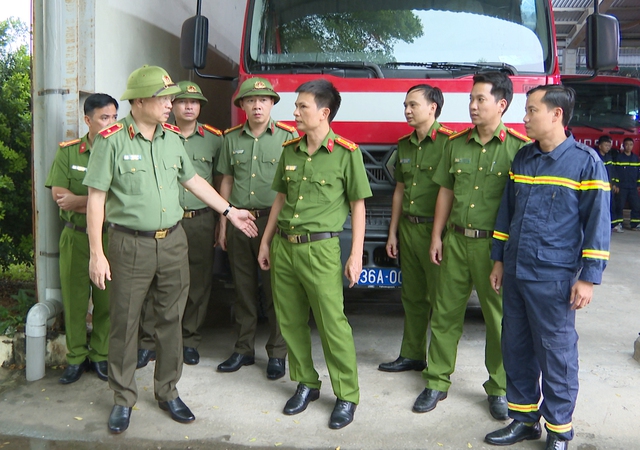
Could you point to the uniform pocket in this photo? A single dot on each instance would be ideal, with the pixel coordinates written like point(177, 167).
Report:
point(132, 177)
point(172, 167)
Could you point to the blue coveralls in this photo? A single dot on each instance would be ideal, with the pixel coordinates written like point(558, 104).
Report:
point(627, 170)
point(609, 164)
point(552, 227)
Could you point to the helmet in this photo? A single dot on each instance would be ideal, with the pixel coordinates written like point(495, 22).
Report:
point(149, 81)
point(190, 90)
point(255, 86)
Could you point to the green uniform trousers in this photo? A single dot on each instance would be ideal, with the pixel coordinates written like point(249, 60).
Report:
point(157, 269)
point(77, 288)
point(465, 262)
point(419, 283)
point(307, 276)
point(200, 231)
point(243, 258)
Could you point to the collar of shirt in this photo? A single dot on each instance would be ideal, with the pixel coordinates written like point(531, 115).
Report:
point(557, 152)
point(431, 134)
point(327, 144)
point(500, 134)
point(270, 128)
point(132, 129)
point(198, 130)
point(87, 145)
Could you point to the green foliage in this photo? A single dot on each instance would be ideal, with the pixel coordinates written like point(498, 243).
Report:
point(12, 318)
point(19, 272)
point(371, 33)
point(15, 144)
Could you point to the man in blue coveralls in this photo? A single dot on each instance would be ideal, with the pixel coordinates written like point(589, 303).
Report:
point(550, 246)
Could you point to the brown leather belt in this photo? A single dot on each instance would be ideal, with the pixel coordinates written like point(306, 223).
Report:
point(158, 234)
point(257, 213)
point(418, 219)
point(191, 213)
point(471, 233)
point(75, 227)
point(304, 238)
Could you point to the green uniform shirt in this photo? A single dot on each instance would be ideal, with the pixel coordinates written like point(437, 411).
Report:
point(140, 177)
point(203, 147)
point(319, 187)
point(67, 171)
point(415, 165)
point(252, 161)
point(477, 174)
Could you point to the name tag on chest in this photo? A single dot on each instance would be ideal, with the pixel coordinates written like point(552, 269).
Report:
point(79, 168)
point(132, 157)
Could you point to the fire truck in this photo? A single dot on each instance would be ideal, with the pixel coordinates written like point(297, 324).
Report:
point(605, 105)
point(373, 51)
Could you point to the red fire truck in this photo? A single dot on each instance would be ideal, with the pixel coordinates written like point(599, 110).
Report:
point(605, 105)
point(373, 51)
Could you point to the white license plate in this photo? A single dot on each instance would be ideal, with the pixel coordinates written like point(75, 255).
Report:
point(380, 277)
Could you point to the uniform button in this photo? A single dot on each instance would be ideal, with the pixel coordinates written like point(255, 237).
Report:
point(203, 159)
point(255, 157)
point(418, 165)
point(459, 170)
point(484, 150)
point(304, 178)
point(411, 202)
point(160, 187)
point(133, 169)
point(476, 188)
point(273, 160)
point(322, 182)
point(288, 178)
point(237, 162)
point(186, 190)
point(300, 198)
point(292, 227)
point(295, 215)
point(155, 166)
point(468, 225)
point(309, 159)
point(499, 173)
point(256, 139)
point(419, 148)
point(253, 175)
point(253, 193)
point(430, 168)
point(479, 168)
point(164, 210)
point(175, 166)
point(472, 206)
point(414, 184)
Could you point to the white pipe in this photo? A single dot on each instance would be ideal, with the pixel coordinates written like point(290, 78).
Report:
point(36, 332)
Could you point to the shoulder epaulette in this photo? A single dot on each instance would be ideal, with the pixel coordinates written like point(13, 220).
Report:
point(291, 141)
point(213, 130)
point(445, 130)
point(110, 131)
point(459, 133)
point(286, 127)
point(351, 146)
point(174, 128)
point(68, 143)
point(519, 135)
point(229, 130)
point(406, 136)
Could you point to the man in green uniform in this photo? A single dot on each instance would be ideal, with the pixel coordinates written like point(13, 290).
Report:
point(319, 178)
point(133, 179)
point(248, 163)
point(202, 143)
point(412, 210)
point(65, 180)
point(472, 175)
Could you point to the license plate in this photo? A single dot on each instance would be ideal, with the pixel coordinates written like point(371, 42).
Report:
point(380, 277)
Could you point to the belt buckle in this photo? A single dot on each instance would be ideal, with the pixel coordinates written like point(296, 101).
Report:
point(189, 214)
point(254, 213)
point(294, 238)
point(161, 234)
point(470, 233)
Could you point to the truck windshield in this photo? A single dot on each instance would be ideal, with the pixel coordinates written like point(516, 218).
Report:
point(600, 105)
point(381, 38)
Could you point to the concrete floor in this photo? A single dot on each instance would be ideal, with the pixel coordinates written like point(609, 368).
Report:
point(243, 410)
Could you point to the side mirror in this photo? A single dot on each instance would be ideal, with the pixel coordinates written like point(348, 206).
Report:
point(194, 40)
point(603, 42)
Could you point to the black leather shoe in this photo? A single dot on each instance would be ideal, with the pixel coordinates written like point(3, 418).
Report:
point(498, 407)
point(178, 410)
point(236, 361)
point(300, 400)
point(554, 442)
point(190, 356)
point(402, 365)
point(101, 369)
point(73, 372)
point(275, 368)
point(119, 419)
point(342, 414)
point(144, 356)
point(428, 400)
point(515, 432)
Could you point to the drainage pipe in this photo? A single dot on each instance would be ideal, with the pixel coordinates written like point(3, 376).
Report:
point(36, 332)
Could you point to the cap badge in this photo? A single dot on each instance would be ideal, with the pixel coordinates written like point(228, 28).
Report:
point(191, 88)
point(166, 79)
point(259, 85)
